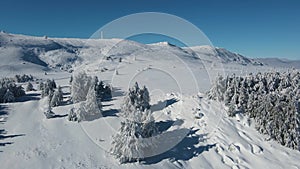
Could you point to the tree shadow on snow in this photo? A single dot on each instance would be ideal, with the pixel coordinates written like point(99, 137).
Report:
point(3, 136)
point(161, 105)
point(3, 111)
point(165, 125)
point(106, 105)
point(105, 113)
point(59, 116)
point(184, 149)
point(28, 97)
point(110, 112)
point(117, 92)
point(3, 132)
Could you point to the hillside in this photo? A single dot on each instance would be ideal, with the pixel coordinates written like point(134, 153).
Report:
point(195, 132)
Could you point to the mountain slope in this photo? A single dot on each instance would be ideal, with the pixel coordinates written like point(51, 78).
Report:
point(64, 52)
point(176, 78)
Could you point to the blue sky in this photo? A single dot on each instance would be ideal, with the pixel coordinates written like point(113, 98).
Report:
point(257, 28)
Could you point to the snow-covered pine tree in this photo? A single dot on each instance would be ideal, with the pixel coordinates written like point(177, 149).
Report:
point(46, 90)
point(130, 141)
point(125, 145)
point(218, 89)
point(133, 138)
point(72, 116)
point(297, 121)
point(244, 96)
point(8, 97)
point(92, 106)
point(270, 98)
point(48, 112)
point(41, 86)
point(228, 95)
point(80, 112)
point(60, 95)
point(80, 86)
point(144, 98)
point(149, 127)
point(53, 84)
point(57, 98)
point(71, 80)
point(232, 110)
point(29, 87)
point(136, 98)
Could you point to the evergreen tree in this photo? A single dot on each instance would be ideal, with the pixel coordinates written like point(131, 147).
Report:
point(80, 86)
point(130, 141)
point(29, 87)
point(8, 97)
point(92, 105)
point(270, 98)
point(57, 98)
point(48, 112)
point(41, 86)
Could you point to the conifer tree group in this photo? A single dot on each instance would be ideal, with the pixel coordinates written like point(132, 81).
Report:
point(271, 98)
point(87, 93)
point(9, 90)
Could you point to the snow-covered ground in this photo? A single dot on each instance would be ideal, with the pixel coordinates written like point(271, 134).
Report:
point(177, 79)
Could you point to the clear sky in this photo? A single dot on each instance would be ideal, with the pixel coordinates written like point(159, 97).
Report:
point(255, 28)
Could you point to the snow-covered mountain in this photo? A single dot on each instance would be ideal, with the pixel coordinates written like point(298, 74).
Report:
point(43, 52)
point(277, 62)
point(177, 79)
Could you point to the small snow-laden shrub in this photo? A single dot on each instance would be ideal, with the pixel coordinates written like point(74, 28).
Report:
point(271, 98)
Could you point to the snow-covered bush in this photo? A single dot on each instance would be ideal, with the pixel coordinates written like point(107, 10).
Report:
point(271, 98)
point(131, 140)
